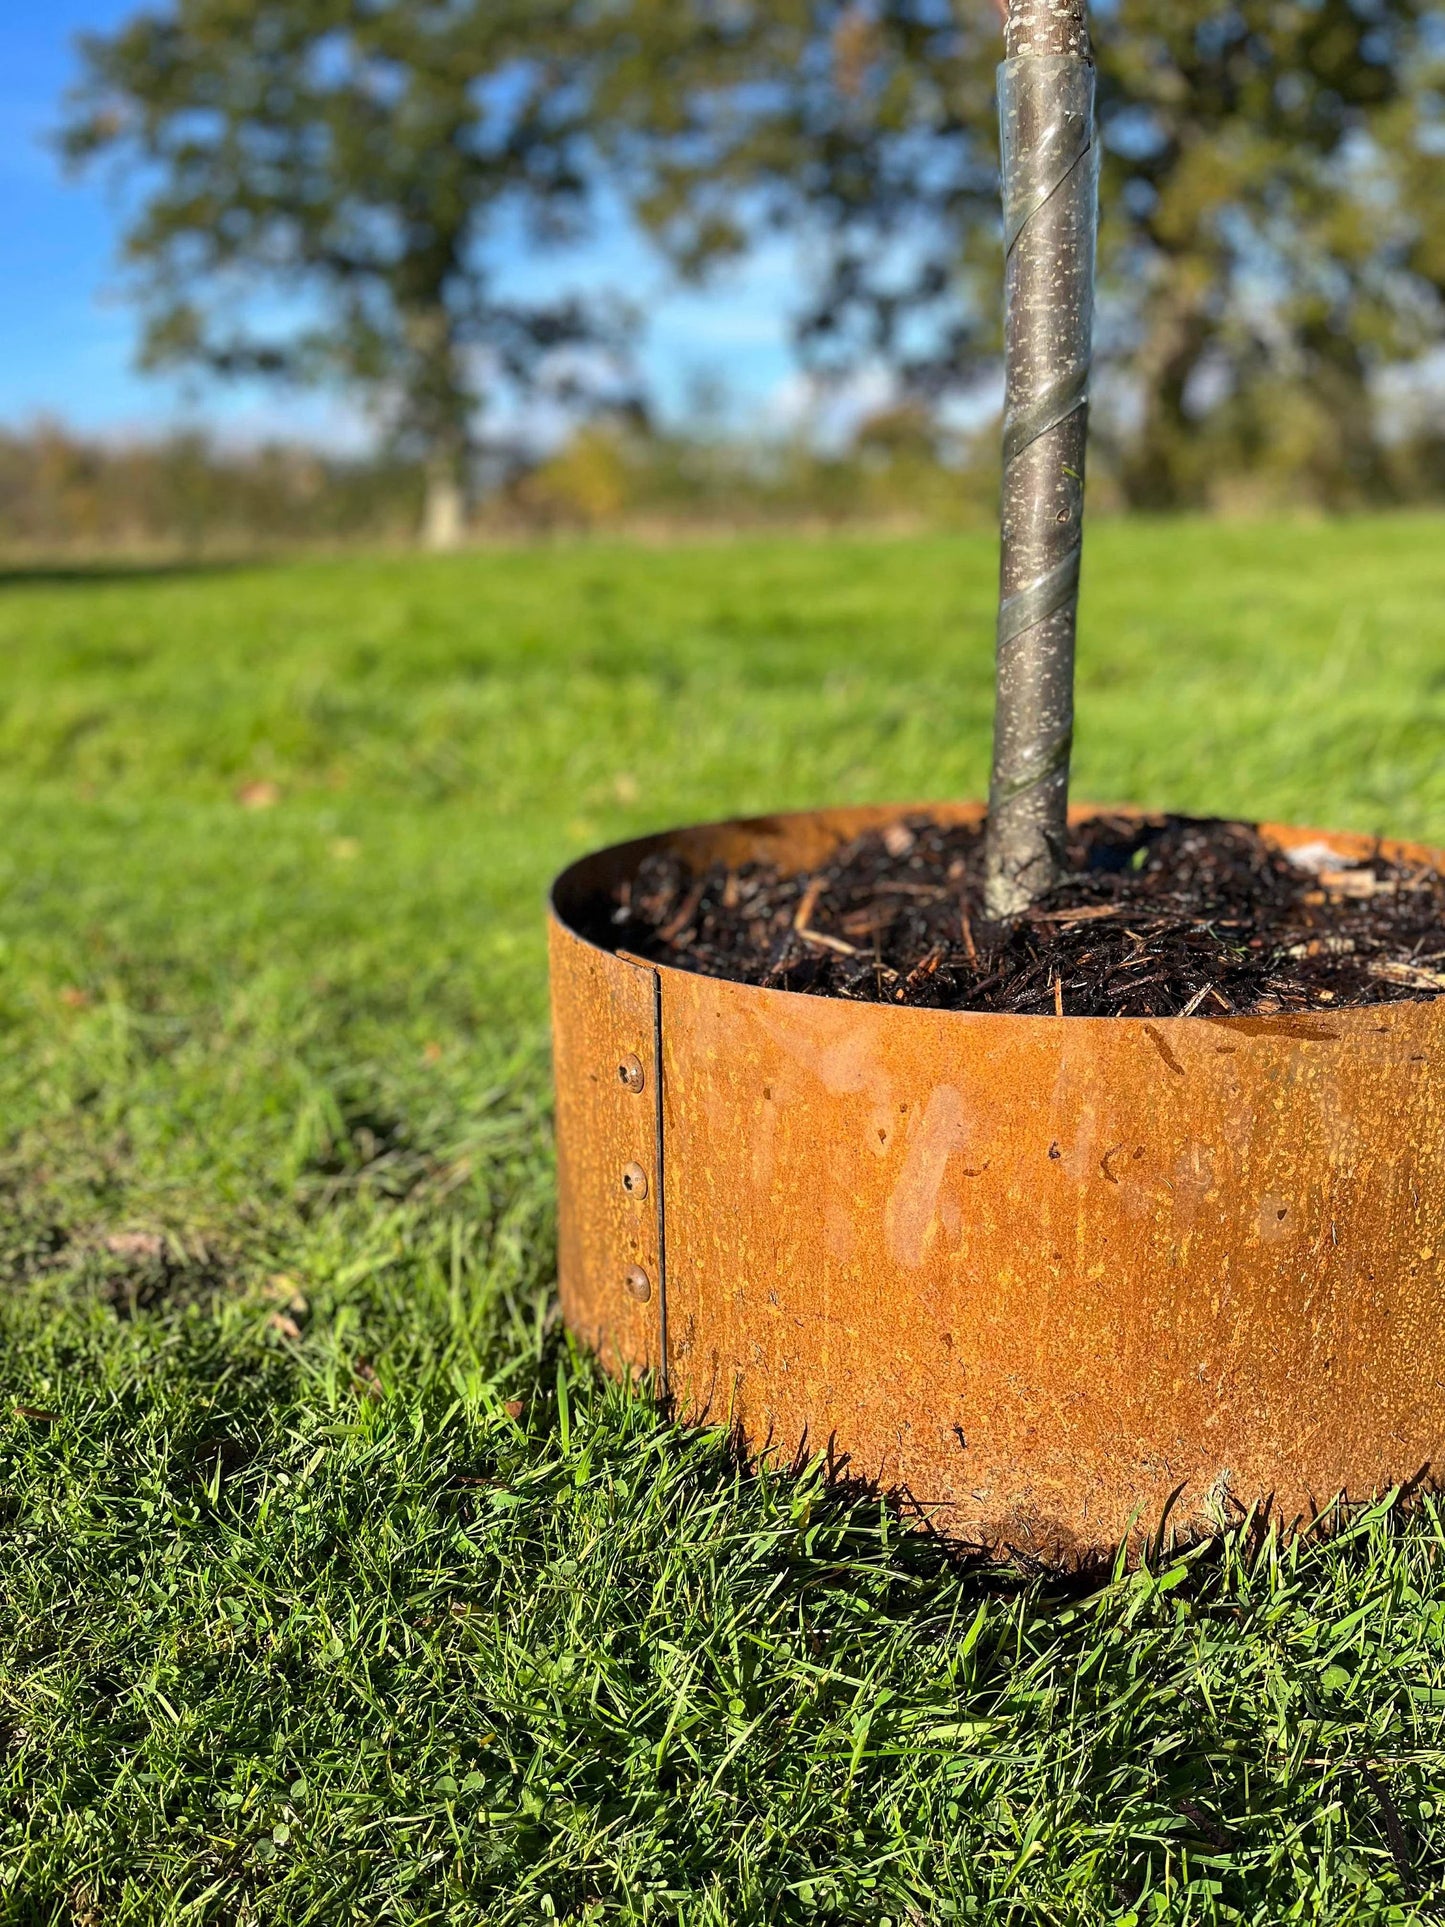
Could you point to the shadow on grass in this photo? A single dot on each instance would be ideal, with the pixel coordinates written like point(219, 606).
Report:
point(898, 1535)
point(841, 1517)
point(104, 571)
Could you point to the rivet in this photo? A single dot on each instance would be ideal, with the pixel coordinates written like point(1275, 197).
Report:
point(637, 1284)
point(629, 1073)
point(634, 1180)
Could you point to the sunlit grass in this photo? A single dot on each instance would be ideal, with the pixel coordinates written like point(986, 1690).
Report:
point(333, 1584)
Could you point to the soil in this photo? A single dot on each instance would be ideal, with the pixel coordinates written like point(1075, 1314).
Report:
point(1167, 916)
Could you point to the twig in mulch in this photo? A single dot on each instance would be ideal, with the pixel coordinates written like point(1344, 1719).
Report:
point(676, 924)
point(804, 929)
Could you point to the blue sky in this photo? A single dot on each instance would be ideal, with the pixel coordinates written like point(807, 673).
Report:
point(67, 339)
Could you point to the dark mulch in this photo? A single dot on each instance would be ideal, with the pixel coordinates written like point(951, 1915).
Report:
point(1166, 917)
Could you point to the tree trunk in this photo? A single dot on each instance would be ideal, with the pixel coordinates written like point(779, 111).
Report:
point(1046, 102)
point(1154, 477)
point(444, 507)
point(1353, 472)
point(439, 409)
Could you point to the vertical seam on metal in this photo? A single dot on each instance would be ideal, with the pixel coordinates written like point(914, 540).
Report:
point(661, 1163)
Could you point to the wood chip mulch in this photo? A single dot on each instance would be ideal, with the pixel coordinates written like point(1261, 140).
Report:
point(1170, 916)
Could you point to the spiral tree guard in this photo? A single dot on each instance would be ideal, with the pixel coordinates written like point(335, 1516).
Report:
point(1050, 210)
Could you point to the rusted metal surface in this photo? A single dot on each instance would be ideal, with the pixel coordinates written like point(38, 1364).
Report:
point(1038, 1274)
point(604, 1051)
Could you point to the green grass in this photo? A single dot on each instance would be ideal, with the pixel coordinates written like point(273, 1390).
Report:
point(334, 1585)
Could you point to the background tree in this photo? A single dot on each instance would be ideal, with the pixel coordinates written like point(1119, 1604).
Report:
point(353, 161)
point(1273, 196)
point(867, 132)
point(1274, 232)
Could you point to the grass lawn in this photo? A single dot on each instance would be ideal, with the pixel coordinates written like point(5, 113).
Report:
point(334, 1584)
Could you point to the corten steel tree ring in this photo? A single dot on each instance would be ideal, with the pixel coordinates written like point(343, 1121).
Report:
point(1039, 1274)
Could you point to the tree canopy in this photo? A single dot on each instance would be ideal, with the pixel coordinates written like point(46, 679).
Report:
point(358, 162)
point(1273, 231)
